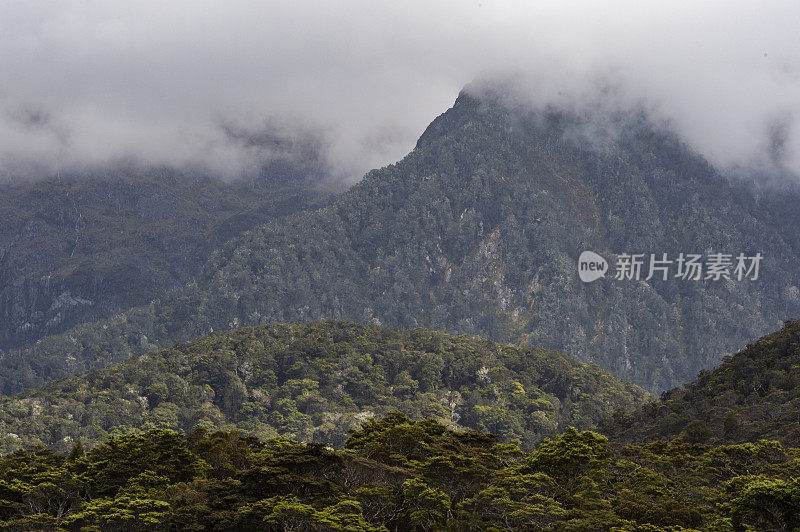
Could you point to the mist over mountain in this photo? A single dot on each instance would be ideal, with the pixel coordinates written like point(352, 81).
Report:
point(88, 84)
point(478, 230)
point(409, 266)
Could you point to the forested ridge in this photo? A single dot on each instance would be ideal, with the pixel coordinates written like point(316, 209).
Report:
point(477, 231)
point(404, 475)
point(754, 394)
point(314, 382)
point(339, 426)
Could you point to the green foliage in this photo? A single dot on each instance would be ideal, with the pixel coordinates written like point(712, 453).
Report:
point(767, 504)
point(122, 460)
point(121, 513)
point(450, 480)
point(317, 382)
point(570, 456)
point(428, 507)
point(752, 395)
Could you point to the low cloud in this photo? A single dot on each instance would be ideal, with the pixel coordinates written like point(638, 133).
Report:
point(203, 84)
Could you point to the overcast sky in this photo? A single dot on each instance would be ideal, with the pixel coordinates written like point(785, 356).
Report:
point(86, 84)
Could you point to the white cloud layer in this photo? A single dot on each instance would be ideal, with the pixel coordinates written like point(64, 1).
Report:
point(85, 84)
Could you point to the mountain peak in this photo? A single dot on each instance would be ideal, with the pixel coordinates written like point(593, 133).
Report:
point(478, 230)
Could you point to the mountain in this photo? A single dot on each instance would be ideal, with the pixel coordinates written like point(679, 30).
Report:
point(316, 381)
point(752, 395)
point(401, 475)
point(83, 248)
point(478, 230)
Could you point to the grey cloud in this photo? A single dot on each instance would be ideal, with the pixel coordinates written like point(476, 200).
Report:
point(86, 83)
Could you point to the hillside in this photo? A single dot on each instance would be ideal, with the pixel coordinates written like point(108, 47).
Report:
point(316, 381)
point(400, 475)
point(752, 395)
point(478, 231)
point(82, 248)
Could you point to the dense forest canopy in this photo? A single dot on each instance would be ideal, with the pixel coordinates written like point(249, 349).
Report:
point(403, 475)
point(316, 381)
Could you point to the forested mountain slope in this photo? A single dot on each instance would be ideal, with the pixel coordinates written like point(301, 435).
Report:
point(752, 395)
point(478, 230)
point(82, 248)
point(316, 381)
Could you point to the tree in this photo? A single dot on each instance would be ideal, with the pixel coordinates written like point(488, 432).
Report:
point(426, 508)
point(164, 452)
point(767, 504)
